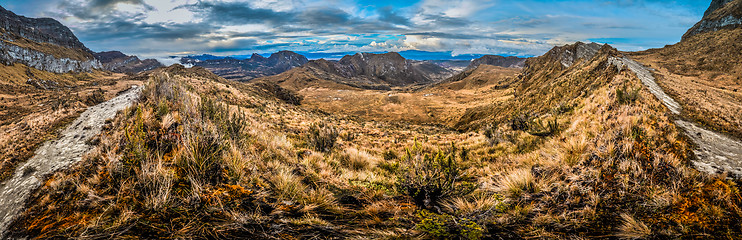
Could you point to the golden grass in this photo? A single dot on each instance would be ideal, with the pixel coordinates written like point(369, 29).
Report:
point(703, 74)
point(240, 163)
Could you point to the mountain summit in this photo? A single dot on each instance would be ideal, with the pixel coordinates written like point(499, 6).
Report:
point(722, 14)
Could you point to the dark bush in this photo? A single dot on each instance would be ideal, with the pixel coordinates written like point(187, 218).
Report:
point(322, 137)
point(431, 176)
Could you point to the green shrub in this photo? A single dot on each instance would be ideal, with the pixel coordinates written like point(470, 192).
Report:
point(429, 177)
point(389, 155)
point(444, 226)
point(322, 137)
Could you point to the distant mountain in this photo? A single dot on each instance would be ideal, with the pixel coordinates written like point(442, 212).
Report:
point(246, 69)
point(500, 61)
point(722, 14)
point(116, 61)
point(42, 43)
point(367, 71)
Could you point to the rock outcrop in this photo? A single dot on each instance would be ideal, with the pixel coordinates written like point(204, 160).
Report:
point(43, 30)
point(42, 43)
point(116, 61)
point(10, 54)
point(569, 54)
point(722, 14)
point(253, 67)
point(500, 61)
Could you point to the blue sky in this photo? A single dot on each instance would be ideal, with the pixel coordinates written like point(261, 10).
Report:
point(156, 28)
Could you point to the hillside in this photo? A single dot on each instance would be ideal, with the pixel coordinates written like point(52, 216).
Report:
point(203, 157)
point(702, 72)
point(722, 14)
point(581, 142)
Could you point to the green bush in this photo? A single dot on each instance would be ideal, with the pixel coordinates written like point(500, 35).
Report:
point(322, 137)
point(429, 177)
point(444, 226)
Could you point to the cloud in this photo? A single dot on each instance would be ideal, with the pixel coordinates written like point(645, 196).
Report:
point(163, 27)
point(236, 13)
point(387, 14)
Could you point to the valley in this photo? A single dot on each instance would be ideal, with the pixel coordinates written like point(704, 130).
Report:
point(583, 141)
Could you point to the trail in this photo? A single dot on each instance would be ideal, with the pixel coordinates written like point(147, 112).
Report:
point(716, 153)
point(57, 154)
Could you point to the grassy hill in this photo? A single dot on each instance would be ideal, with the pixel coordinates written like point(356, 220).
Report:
point(202, 157)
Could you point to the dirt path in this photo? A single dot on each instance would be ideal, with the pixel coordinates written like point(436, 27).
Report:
point(716, 153)
point(56, 155)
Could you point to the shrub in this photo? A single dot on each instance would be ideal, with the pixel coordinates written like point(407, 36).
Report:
point(429, 177)
point(520, 121)
point(627, 96)
point(443, 226)
point(322, 137)
point(493, 134)
point(537, 128)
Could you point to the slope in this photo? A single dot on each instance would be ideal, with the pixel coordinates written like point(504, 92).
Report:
point(702, 72)
point(203, 157)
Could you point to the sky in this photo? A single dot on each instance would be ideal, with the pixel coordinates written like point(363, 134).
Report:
point(157, 28)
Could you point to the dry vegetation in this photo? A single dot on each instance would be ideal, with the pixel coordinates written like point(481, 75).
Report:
point(441, 104)
point(703, 74)
point(32, 110)
point(202, 157)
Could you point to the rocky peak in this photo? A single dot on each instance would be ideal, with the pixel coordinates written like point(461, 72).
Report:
point(106, 57)
point(496, 60)
point(568, 54)
point(257, 57)
point(44, 30)
point(288, 58)
point(721, 14)
point(715, 5)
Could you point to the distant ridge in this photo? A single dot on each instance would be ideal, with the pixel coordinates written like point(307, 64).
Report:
point(246, 69)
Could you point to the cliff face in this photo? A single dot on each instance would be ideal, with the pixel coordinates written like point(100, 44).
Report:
point(10, 54)
point(44, 30)
point(722, 14)
point(42, 43)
